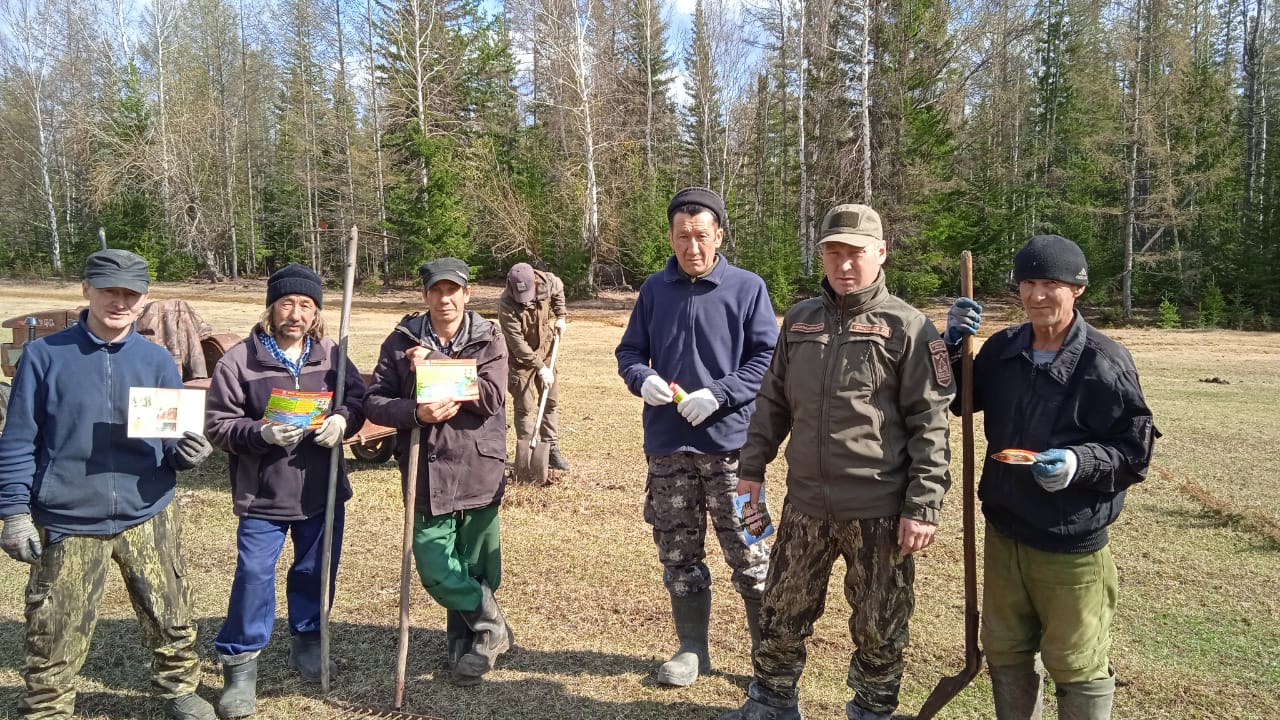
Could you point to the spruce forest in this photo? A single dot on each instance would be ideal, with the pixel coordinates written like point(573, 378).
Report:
point(225, 138)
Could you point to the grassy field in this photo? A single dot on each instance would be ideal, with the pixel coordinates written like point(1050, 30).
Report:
point(1198, 632)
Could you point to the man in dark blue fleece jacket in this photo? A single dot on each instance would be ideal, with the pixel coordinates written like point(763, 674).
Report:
point(76, 492)
point(708, 328)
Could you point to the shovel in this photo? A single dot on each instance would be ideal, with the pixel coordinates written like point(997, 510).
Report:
point(533, 460)
point(948, 687)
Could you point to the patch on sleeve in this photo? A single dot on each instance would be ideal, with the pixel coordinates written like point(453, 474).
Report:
point(808, 327)
point(881, 330)
point(941, 363)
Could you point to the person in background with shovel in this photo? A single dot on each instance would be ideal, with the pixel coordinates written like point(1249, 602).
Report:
point(1059, 388)
point(708, 326)
point(279, 479)
point(861, 383)
point(531, 313)
point(461, 446)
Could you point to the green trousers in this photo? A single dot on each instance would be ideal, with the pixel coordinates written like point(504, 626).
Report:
point(455, 552)
point(62, 596)
point(1057, 604)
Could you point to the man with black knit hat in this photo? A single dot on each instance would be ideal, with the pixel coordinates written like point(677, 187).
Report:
point(706, 329)
point(280, 478)
point(1056, 386)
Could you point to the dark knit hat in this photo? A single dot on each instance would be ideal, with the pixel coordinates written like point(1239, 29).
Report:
point(700, 196)
point(117, 268)
point(295, 279)
point(446, 268)
point(522, 283)
point(1051, 257)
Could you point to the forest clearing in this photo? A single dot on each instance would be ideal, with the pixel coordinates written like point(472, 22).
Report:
point(1197, 635)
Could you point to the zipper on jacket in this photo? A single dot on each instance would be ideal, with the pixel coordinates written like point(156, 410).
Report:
point(824, 434)
point(111, 413)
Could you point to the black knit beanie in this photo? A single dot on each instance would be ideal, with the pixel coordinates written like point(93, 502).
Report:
point(295, 279)
point(700, 196)
point(1051, 257)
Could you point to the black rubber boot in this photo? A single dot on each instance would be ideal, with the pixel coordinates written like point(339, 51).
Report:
point(1017, 692)
point(854, 711)
point(492, 636)
point(753, 623)
point(763, 704)
point(1090, 700)
point(556, 461)
point(691, 614)
point(189, 707)
point(304, 656)
point(239, 696)
point(458, 639)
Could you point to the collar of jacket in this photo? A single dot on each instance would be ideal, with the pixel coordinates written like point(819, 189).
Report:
point(265, 357)
point(83, 324)
point(673, 274)
point(474, 327)
point(1068, 357)
point(856, 302)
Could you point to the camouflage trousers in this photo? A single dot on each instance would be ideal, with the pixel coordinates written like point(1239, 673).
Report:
point(526, 396)
point(62, 597)
point(877, 584)
point(682, 489)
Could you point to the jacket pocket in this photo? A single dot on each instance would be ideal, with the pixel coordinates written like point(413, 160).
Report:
point(492, 448)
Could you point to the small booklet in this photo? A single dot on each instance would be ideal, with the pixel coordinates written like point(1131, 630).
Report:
point(447, 380)
point(298, 408)
point(165, 412)
point(754, 523)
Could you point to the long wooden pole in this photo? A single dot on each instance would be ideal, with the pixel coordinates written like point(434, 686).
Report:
point(406, 565)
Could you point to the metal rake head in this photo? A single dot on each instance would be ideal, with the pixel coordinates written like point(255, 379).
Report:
point(357, 713)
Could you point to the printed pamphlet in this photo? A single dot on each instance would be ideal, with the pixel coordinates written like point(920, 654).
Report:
point(165, 412)
point(754, 524)
point(447, 380)
point(298, 408)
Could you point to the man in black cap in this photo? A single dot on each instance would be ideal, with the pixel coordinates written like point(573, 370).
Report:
point(280, 479)
point(707, 329)
point(461, 462)
point(76, 492)
point(1058, 387)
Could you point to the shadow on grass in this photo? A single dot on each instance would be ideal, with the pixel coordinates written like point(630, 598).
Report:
point(114, 682)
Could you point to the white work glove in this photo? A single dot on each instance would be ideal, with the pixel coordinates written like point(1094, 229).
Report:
point(20, 539)
point(282, 435)
point(560, 326)
point(547, 376)
point(655, 391)
point(697, 406)
point(1055, 469)
point(331, 432)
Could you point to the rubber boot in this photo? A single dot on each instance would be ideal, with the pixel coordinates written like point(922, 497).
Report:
point(239, 696)
point(763, 704)
point(189, 707)
point(492, 637)
point(753, 623)
point(1090, 700)
point(304, 656)
point(556, 461)
point(458, 639)
point(691, 613)
point(1017, 691)
point(854, 711)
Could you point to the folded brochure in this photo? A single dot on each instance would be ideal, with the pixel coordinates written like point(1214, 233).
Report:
point(298, 408)
point(447, 380)
point(164, 412)
point(754, 525)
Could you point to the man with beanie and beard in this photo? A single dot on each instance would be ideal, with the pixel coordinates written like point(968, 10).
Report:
point(1057, 386)
point(707, 328)
point(279, 479)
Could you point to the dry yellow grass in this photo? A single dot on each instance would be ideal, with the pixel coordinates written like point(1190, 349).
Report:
point(1197, 635)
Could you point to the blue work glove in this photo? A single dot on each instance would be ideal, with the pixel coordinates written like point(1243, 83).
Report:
point(964, 318)
point(1055, 469)
point(20, 539)
point(193, 448)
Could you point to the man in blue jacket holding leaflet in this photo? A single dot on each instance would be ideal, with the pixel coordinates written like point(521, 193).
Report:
point(76, 492)
point(706, 329)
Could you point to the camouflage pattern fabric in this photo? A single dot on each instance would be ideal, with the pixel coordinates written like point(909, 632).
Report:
point(62, 599)
point(878, 584)
point(526, 395)
point(681, 490)
point(177, 327)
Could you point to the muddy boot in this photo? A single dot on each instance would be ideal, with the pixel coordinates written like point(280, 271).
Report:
point(753, 624)
point(1017, 692)
point(239, 696)
point(492, 637)
point(458, 639)
point(189, 707)
point(691, 614)
point(1090, 700)
point(556, 461)
point(304, 656)
point(763, 704)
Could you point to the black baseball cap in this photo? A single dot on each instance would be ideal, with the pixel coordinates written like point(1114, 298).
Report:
point(446, 268)
point(117, 268)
